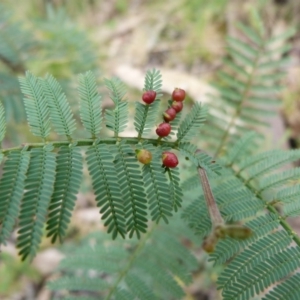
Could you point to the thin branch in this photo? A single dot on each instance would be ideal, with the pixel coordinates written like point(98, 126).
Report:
point(90, 142)
point(212, 206)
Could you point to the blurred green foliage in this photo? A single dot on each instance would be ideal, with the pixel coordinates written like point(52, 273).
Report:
point(52, 44)
point(14, 274)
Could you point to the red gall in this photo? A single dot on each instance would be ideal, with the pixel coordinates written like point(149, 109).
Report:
point(169, 114)
point(149, 96)
point(169, 159)
point(178, 95)
point(163, 129)
point(177, 106)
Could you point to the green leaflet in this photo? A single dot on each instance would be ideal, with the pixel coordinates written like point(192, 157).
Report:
point(145, 117)
point(12, 185)
point(39, 186)
point(60, 111)
point(153, 81)
point(241, 148)
point(139, 288)
point(288, 197)
point(251, 258)
point(272, 162)
point(278, 179)
point(106, 188)
point(122, 294)
point(161, 278)
point(288, 289)
point(117, 118)
point(176, 194)
point(129, 180)
point(249, 50)
point(189, 127)
point(157, 189)
point(90, 103)
point(264, 274)
point(35, 105)
point(67, 182)
point(251, 34)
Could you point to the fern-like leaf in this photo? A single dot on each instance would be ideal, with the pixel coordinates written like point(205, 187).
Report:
point(251, 258)
point(12, 185)
point(248, 87)
point(153, 81)
point(163, 280)
point(289, 198)
point(106, 187)
point(117, 118)
point(157, 188)
point(90, 103)
point(149, 268)
point(288, 289)
point(176, 194)
point(265, 274)
point(278, 179)
point(122, 294)
point(191, 124)
point(145, 117)
point(67, 182)
point(139, 288)
point(35, 105)
point(60, 111)
point(39, 187)
point(241, 148)
point(251, 160)
point(271, 163)
point(130, 177)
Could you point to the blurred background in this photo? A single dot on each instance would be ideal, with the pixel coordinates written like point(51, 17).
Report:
point(185, 39)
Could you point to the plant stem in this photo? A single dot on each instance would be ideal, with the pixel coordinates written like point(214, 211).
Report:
point(135, 253)
point(212, 206)
point(89, 142)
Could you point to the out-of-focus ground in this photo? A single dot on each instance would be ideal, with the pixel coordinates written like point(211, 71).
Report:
point(185, 39)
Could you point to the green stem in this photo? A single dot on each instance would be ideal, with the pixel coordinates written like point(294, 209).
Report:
point(130, 262)
point(89, 142)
